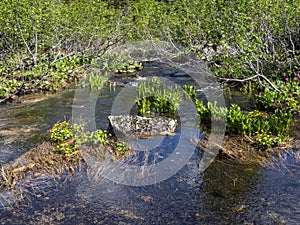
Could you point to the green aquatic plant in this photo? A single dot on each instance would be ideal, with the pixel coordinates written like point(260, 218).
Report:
point(154, 97)
point(93, 138)
point(288, 98)
point(96, 81)
point(120, 150)
point(63, 138)
point(266, 140)
point(205, 112)
point(129, 67)
point(210, 111)
point(66, 139)
point(121, 146)
point(61, 132)
point(189, 91)
point(269, 128)
point(257, 122)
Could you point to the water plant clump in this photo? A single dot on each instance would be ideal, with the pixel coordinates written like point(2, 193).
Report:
point(288, 98)
point(129, 67)
point(95, 81)
point(268, 129)
point(63, 138)
point(208, 112)
point(66, 139)
point(61, 155)
point(257, 122)
point(155, 98)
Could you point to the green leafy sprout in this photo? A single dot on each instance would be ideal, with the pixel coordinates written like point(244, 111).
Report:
point(67, 138)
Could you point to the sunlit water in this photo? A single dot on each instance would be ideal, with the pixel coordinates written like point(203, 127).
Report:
point(226, 193)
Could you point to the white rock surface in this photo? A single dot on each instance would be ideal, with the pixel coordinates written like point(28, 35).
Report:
point(140, 126)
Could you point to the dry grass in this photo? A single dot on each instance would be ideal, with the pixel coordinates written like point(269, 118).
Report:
point(45, 160)
point(42, 159)
point(245, 150)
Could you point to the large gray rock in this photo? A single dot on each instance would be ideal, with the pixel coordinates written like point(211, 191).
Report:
point(139, 126)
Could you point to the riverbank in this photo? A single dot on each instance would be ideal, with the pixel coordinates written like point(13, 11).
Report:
point(37, 161)
point(245, 150)
point(44, 159)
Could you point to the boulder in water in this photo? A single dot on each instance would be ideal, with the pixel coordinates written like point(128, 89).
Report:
point(141, 126)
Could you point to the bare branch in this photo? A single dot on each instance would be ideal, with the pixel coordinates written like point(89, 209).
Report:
point(60, 58)
point(23, 38)
point(257, 76)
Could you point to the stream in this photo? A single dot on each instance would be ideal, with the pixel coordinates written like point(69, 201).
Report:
point(227, 192)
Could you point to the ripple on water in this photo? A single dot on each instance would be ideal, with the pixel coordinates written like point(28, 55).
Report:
point(226, 193)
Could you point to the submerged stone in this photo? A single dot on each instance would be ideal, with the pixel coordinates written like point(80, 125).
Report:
point(141, 126)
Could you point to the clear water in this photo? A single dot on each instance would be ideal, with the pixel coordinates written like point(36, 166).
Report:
point(226, 193)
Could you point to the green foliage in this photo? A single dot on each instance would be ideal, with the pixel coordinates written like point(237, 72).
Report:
point(63, 137)
point(287, 99)
point(93, 138)
point(121, 146)
point(129, 67)
point(238, 38)
point(67, 138)
point(250, 87)
point(46, 45)
point(269, 129)
point(190, 91)
point(25, 78)
point(96, 81)
point(266, 140)
point(208, 112)
point(154, 97)
point(121, 150)
point(255, 38)
point(256, 122)
point(56, 25)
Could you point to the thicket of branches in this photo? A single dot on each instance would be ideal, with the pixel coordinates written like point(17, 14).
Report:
point(239, 39)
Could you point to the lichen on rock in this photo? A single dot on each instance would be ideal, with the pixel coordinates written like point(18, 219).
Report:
point(141, 126)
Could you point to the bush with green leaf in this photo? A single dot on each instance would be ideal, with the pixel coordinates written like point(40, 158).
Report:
point(239, 39)
point(46, 45)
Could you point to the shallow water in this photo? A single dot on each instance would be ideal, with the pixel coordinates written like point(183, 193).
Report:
point(24, 124)
point(226, 193)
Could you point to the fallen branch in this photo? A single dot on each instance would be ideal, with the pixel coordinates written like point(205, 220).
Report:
point(9, 97)
point(251, 78)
